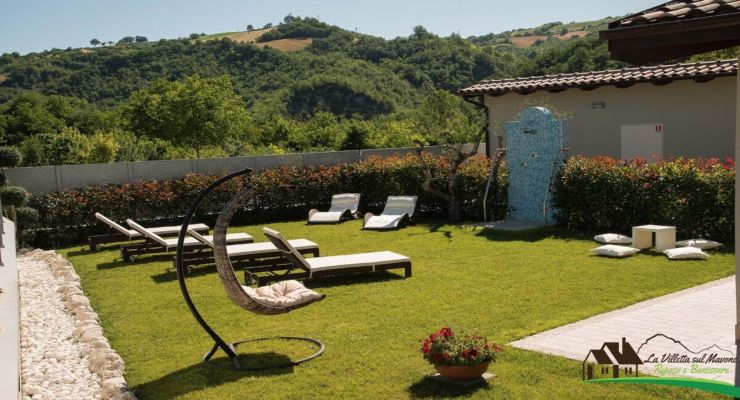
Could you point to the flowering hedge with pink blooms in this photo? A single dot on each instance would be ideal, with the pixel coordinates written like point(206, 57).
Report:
point(446, 347)
point(607, 195)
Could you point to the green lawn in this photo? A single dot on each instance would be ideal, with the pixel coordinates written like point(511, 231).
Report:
point(506, 285)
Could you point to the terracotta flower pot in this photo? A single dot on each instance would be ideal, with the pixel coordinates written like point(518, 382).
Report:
point(462, 373)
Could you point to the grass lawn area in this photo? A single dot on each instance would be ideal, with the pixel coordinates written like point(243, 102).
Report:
point(505, 285)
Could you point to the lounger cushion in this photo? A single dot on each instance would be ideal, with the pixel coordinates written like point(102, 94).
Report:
point(383, 221)
point(613, 250)
point(703, 244)
point(355, 260)
point(613, 238)
point(191, 241)
point(329, 216)
point(686, 253)
point(161, 230)
point(267, 247)
point(282, 294)
point(166, 230)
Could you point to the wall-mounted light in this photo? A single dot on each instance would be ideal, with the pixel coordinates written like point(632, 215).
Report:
point(598, 104)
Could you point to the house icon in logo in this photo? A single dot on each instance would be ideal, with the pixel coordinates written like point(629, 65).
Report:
point(606, 361)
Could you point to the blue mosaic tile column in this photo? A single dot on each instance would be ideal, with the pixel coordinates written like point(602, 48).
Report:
point(533, 157)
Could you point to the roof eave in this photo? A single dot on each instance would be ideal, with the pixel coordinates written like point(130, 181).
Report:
point(663, 41)
point(619, 84)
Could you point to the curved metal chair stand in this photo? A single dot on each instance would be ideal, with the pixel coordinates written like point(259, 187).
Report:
point(228, 278)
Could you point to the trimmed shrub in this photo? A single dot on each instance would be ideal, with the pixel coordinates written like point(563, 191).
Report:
point(603, 194)
point(26, 216)
point(284, 193)
point(13, 196)
point(9, 157)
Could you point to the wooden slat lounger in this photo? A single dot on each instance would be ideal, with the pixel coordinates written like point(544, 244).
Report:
point(258, 257)
point(118, 233)
point(337, 265)
point(155, 244)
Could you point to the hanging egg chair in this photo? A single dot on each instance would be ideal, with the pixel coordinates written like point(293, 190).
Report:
point(279, 298)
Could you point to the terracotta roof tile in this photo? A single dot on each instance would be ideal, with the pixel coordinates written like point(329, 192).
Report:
point(616, 77)
point(678, 10)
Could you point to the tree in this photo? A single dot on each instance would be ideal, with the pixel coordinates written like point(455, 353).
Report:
point(444, 119)
point(95, 42)
point(250, 27)
point(127, 40)
point(194, 36)
point(68, 147)
point(267, 25)
point(194, 112)
point(33, 151)
point(289, 18)
point(141, 39)
point(102, 148)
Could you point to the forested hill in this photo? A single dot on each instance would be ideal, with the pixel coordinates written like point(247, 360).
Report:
point(387, 73)
point(289, 76)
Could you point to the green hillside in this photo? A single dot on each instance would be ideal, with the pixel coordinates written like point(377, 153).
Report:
point(352, 84)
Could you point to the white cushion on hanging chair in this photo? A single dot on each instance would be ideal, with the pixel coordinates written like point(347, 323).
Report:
point(282, 294)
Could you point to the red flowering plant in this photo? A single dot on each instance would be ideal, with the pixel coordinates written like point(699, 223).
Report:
point(446, 347)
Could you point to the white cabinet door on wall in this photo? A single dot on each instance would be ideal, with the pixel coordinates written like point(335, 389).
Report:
point(643, 140)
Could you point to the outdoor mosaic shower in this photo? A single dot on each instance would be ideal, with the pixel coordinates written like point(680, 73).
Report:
point(536, 147)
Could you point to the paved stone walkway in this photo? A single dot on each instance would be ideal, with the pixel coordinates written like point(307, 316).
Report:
point(702, 318)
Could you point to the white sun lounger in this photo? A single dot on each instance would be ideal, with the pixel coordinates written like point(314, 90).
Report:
point(343, 206)
point(260, 257)
point(398, 211)
point(119, 233)
point(155, 244)
point(337, 265)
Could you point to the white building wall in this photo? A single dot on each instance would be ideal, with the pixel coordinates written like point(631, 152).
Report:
point(698, 118)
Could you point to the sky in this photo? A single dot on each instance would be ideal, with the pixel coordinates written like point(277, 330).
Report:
point(36, 25)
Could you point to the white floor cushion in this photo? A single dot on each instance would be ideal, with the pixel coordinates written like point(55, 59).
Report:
point(703, 244)
point(686, 253)
point(613, 250)
point(613, 238)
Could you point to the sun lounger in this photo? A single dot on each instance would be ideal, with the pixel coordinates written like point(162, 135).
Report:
point(337, 265)
point(343, 206)
point(155, 244)
point(259, 257)
point(398, 211)
point(118, 233)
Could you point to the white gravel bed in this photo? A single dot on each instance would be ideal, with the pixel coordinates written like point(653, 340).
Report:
point(61, 341)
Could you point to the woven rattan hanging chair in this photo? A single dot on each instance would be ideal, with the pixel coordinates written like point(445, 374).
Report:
point(245, 297)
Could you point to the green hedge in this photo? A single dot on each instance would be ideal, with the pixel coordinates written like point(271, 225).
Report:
point(602, 194)
point(284, 193)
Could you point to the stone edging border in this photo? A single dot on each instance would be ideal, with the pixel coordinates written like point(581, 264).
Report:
point(101, 358)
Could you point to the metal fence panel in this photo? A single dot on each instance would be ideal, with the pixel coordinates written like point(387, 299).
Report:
point(47, 179)
point(34, 179)
point(76, 176)
point(331, 158)
point(265, 162)
point(219, 165)
point(365, 154)
point(164, 169)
